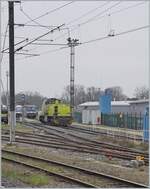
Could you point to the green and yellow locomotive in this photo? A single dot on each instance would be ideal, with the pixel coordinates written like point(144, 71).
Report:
point(55, 112)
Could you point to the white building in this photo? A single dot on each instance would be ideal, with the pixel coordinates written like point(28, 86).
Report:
point(120, 106)
point(91, 113)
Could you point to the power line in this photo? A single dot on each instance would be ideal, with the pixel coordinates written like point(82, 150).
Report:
point(21, 37)
point(25, 40)
point(97, 15)
point(101, 38)
point(121, 33)
point(47, 13)
point(89, 20)
point(4, 42)
point(87, 13)
point(51, 31)
point(59, 44)
point(111, 13)
point(46, 52)
point(26, 54)
point(2, 85)
point(54, 50)
point(124, 9)
point(30, 19)
point(39, 25)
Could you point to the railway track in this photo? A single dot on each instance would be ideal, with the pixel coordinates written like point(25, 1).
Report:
point(56, 138)
point(82, 177)
point(67, 131)
point(97, 132)
point(56, 142)
point(73, 137)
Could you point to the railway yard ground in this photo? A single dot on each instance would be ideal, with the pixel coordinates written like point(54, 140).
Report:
point(78, 156)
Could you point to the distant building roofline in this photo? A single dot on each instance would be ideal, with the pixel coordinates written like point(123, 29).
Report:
point(139, 101)
point(90, 103)
point(114, 103)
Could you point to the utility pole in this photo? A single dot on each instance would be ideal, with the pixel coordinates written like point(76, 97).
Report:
point(11, 72)
point(72, 43)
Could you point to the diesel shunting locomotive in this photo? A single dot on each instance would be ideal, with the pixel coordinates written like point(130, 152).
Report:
point(55, 112)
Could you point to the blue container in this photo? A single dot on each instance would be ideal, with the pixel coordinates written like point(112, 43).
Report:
point(105, 103)
point(146, 125)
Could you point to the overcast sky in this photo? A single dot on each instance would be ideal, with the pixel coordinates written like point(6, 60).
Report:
point(115, 61)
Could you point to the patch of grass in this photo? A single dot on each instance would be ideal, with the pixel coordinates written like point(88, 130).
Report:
point(144, 146)
point(130, 145)
point(5, 126)
point(28, 177)
point(36, 180)
point(19, 127)
point(7, 171)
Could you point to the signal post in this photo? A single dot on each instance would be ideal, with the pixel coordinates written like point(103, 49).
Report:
point(72, 43)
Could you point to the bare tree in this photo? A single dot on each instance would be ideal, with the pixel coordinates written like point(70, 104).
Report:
point(34, 98)
point(79, 94)
point(82, 94)
point(117, 93)
point(93, 93)
point(141, 92)
point(66, 94)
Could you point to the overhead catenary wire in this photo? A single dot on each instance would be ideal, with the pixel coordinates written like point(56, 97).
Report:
point(27, 54)
point(89, 20)
point(87, 13)
point(31, 25)
point(4, 41)
point(75, 27)
point(21, 37)
point(120, 10)
point(117, 34)
point(25, 40)
point(51, 31)
point(102, 38)
point(30, 19)
point(99, 14)
point(59, 44)
point(90, 41)
point(47, 13)
point(126, 8)
point(48, 27)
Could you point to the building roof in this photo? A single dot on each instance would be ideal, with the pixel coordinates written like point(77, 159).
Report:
point(93, 103)
point(139, 101)
point(113, 103)
point(120, 103)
